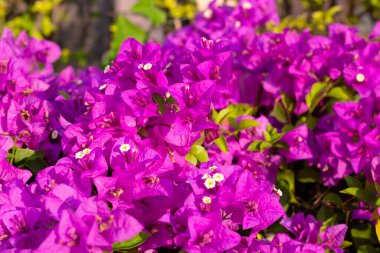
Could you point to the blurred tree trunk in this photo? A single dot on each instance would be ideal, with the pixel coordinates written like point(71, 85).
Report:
point(296, 7)
point(83, 28)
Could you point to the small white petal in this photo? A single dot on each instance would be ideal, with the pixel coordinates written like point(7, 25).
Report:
point(54, 134)
point(218, 177)
point(79, 155)
point(125, 147)
point(147, 66)
point(360, 78)
point(206, 200)
point(209, 183)
point(247, 5)
point(102, 87)
point(207, 13)
point(86, 151)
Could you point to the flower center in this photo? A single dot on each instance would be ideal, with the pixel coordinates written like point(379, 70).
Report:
point(205, 238)
point(151, 180)
point(251, 206)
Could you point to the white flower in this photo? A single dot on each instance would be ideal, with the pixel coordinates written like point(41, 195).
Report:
point(79, 155)
point(207, 13)
point(54, 134)
point(237, 24)
point(247, 5)
point(360, 78)
point(147, 66)
point(83, 153)
point(206, 200)
point(86, 151)
point(205, 176)
point(209, 183)
point(218, 177)
point(125, 147)
point(102, 87)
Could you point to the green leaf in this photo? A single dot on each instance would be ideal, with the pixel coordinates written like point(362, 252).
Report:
point(64, 94)
point(370, 191)
point(247, 123)
point(264, 145)
point(148, 9)
point(377, 202)
point(287, 128)
point(366, 249)
point(353, 182)
point(200, 140)
point(231, 113)
point(377, 187)
point(286, 178)
point(222, 115)
point(34, 164)
point(25, 153)
point(363, 234)
point(341, 93)
point(329, 222)
point(308, 175)
point(375, 215)
point(161, 109)
point(324, 213)
point(202, 156)
point(377, 229)
point(254, 146)
point(171, 100)
point(131, 243)
point(279, 113)
point(199, 152)
point(333, 199)
point(221, 143)
point(267, 136)
point(29, 159)
point(281, 145)
point(346, 244)
point(158, 99)
point(124, 28)
point(271, 130)
point(286, 195)
point(311, 122)
point(214, 113)
point(191, 159)
point(357, 192)
point(196, 149)
point(276, 137)
point(313, 98)
point(288, 102)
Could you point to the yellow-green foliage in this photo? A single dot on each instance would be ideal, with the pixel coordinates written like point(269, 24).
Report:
point(178, 10)
point(316, 21)
point(36, 20)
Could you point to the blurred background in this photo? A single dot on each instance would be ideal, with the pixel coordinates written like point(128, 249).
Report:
point(91, 31)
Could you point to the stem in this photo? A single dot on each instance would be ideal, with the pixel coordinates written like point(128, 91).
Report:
point(13, 151)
